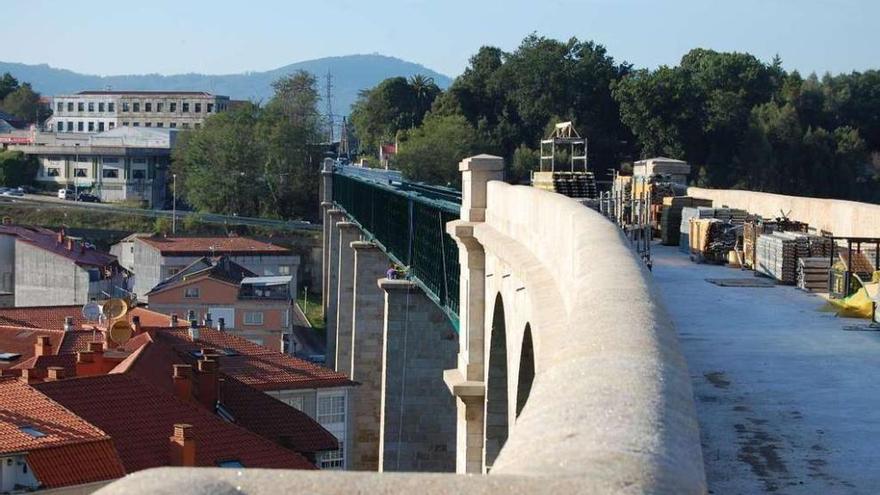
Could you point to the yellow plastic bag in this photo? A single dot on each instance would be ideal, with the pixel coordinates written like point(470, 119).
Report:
point(861, 303)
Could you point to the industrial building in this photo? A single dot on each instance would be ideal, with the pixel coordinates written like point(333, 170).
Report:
point(99, 111)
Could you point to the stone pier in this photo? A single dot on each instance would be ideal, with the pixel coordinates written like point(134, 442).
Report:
point(348, 233)
point(418, 413)
point(333, 217)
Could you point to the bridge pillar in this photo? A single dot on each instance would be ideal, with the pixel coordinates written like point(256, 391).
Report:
point(367, 352)
point(348, 233)
point(326, 205)
point(467, 381)
point(418, 431)
point(334, 216)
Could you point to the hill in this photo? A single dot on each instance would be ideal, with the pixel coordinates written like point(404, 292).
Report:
point(351, 73)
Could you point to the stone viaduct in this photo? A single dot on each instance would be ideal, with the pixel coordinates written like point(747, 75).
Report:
point(546, 364)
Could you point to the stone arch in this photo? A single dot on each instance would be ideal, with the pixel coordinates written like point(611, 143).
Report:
point(526, 370)
point(497, 427)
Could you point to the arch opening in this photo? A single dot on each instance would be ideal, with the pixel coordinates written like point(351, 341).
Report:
point(526, 370)
point(496, 387)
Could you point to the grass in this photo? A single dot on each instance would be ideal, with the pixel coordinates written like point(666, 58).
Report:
point(312, 309)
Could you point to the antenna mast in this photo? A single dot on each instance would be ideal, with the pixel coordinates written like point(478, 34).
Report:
point(328, 99)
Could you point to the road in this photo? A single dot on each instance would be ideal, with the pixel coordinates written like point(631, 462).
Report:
point(787, 395)
point(291, 225)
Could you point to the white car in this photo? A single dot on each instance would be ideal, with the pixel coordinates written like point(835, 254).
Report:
point(66, 194)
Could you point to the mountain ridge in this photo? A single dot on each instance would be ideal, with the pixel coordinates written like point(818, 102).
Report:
point(351, 74)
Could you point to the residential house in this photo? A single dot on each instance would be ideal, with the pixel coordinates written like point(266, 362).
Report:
point(216, 289)
point(158, 258)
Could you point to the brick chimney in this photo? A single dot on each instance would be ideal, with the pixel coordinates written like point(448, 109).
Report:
point(43, 347)
point(69, 244)
point(68, 323)
point(183, 446)
point(61, 236)
point(207, 383)
point(31, 375)
point(182, 377)
point(54, 373)
point(92, 362)
point(173, 320)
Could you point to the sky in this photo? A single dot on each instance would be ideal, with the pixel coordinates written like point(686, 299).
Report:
point(222, 36)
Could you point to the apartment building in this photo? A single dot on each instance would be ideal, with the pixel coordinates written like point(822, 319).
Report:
point(99, 111)
point(258, 309)
point(157, 258)
point(117, 165)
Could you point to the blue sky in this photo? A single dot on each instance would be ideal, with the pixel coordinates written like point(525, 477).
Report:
point(221, 36)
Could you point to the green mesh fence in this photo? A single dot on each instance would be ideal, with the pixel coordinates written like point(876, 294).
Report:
point(409, 224)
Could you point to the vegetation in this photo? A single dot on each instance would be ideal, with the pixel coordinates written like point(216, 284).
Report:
point(17, 169)
point(739, 121)
point(257, 160)
point(21, 101)
point(312, 308)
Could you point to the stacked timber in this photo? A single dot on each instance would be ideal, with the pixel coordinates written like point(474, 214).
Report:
point(812, 274)
point(776, 257)
point(687, 214)
point(671, 220)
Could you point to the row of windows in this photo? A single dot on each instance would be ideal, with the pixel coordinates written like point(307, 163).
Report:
point(81, 126)
point(107, 173)
point(148, 106)
point(171, 125)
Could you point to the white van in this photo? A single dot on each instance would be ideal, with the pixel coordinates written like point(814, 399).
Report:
point(65, 194)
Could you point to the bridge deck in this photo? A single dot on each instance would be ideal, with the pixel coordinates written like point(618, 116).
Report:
point(786, 397)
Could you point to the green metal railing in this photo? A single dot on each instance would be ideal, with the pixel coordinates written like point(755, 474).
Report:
point(408, 222)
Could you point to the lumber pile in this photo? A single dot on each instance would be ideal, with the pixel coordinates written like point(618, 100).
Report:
point(671, 218)
point(812, 274)
point(688, 213)
point(776, 257)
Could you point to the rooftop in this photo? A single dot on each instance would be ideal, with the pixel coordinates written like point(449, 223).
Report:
point(216, 267)
point(59, 244)
point(142, 93)
point(211, 246)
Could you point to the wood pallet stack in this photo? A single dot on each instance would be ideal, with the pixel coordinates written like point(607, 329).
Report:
point(671, 218)
point(819, 246)
point(687, 214)
point(812, 274)
point(776, 257)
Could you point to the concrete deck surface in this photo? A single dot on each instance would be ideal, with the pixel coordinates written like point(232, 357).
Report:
point(788, 397)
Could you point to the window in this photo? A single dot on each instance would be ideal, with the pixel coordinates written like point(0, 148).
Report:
point(112, 125)
point(111, 107)
point(173, 125)
point(108, 159)
point(91, 127)
point(69, 106)
point(232, 463)
point(185, 107)
point(80, 107)
point(158, 106)
point(70, 127)
point(198, 107)
point(296, 402)
point(138, 174)
point(124, 124)
point(60, 126)
point(284, 270)
point(81, 172)
point(53, 172)
point(135, 124)
point(333, 459)
point(331, 409)
point(253, 318)
point(79, 126)
point(136, 107)
point(32, 431)
point(210, 107)
point(91, 106)
point(148, 107)
point(191, 292)
point(185, 125)
point(172, 107)
point(160, 124)
point(197, 125)
point(148, 124)
point(110, 173)
point(101, 106)
point(59, 107)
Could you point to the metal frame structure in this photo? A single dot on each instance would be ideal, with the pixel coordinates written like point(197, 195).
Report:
point(564, 133)
point(847, 277)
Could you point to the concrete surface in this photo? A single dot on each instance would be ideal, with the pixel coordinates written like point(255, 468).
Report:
point(786, 397)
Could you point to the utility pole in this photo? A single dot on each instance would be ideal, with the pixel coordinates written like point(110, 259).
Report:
point(173, 204)
point(328, 100)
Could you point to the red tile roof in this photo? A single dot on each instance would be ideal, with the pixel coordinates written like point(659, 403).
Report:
point(47, 317)
point(210, 246)
point(141, 417)
point(255, 365)
point(88, 452)
point(66, 361)
point(18, 340)
point(78, 254)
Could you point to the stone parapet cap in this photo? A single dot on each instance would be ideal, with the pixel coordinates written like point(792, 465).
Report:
point(346, 225)
point(481, 163)
point(460, 387)
point(336, 211)
point(326, 204)
point(363, 245)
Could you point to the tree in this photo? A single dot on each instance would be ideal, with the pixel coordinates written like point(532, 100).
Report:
point(24, 103)
point(8, 84)
point(431, 153)
point(17, 169)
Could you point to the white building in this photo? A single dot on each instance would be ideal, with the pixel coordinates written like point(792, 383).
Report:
point(99, 111)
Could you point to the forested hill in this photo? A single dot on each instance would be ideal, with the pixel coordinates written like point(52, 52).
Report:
point(351, 73)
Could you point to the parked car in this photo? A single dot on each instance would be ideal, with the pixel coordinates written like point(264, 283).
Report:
point(88, 198)
point(12, 192)
point(66, 194)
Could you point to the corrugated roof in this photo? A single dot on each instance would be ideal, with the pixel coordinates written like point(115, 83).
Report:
point(211, 246)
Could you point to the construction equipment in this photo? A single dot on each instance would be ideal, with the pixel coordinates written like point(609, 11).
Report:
point(576, 182)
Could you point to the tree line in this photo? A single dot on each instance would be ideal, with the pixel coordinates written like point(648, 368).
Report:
point(740, 122)
point(21, 101)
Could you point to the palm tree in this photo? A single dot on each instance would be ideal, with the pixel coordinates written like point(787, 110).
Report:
point(425, 90)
